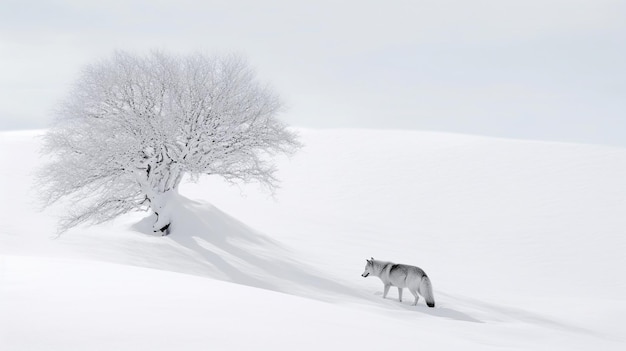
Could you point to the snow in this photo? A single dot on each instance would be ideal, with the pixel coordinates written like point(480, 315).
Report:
point(524, 243)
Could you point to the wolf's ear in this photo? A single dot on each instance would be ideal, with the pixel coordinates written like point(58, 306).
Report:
point(372, 258)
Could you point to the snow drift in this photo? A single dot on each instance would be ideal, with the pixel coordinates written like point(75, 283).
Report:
point(523, 242)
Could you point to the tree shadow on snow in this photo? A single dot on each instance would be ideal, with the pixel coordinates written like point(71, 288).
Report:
point(229, 250)
point(209, 242)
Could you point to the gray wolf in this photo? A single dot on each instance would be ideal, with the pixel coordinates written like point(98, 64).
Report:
point(401, 276)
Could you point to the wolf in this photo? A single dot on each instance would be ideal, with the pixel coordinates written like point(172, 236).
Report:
point(401, 276)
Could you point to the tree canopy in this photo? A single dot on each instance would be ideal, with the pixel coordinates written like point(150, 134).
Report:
point(133, 126)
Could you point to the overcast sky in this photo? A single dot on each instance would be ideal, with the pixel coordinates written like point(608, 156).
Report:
point(550, 70)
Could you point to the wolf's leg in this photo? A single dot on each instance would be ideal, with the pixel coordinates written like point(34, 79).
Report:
point(386, 290)
point(400, 294)
point(416, 297)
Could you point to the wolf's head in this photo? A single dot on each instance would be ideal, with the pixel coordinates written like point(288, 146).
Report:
point(369, 268)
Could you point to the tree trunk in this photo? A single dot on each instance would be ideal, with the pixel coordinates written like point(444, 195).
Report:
point(159, 179)
point(162, 204)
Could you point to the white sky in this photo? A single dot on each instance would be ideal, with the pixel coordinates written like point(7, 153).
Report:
point(551, 70)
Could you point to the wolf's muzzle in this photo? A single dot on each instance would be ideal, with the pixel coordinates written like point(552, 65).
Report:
point(364, 275)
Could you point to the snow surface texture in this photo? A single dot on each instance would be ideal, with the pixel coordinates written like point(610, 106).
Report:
point(524, 243)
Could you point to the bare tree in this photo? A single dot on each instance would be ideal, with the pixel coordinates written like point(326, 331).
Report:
point(134, 125)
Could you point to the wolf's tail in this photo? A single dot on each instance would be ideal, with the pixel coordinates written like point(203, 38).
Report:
point(426, 289)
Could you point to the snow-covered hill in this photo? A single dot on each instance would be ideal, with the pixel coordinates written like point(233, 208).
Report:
point(524, 242)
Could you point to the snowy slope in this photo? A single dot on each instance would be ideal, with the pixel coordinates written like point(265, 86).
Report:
point(524, 242)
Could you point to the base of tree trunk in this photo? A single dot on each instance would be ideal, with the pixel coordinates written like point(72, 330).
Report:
point(165, 230)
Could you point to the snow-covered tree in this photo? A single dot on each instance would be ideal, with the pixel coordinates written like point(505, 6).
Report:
point(133, 126)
